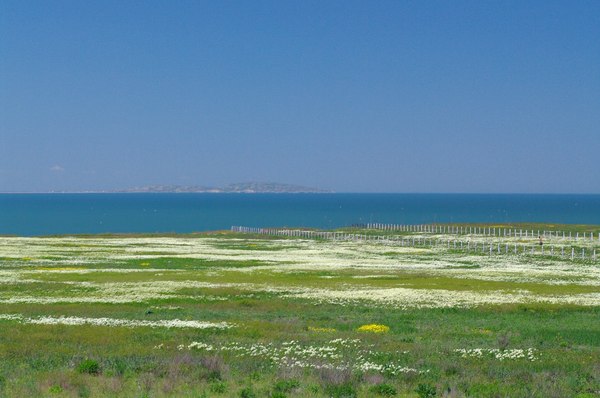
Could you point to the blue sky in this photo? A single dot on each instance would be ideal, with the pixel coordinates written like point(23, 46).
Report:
point(358, 96)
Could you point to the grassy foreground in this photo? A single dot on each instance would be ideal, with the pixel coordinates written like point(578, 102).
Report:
point(231, 315)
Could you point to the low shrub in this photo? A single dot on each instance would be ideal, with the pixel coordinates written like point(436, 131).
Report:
point(383, 389)
point(89, 366)
point(55, 389)
point(247, 393)
point(218, 388)
point(426, 391)
point(345, 390)
point(286, 386)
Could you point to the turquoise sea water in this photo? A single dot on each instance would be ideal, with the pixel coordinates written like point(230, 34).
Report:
point(45, 214)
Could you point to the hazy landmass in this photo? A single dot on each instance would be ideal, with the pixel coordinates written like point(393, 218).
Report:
point(243, 187)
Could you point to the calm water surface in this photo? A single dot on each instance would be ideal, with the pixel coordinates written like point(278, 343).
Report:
point(45, 214)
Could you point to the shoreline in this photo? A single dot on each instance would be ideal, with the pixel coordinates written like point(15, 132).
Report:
point(548, 227)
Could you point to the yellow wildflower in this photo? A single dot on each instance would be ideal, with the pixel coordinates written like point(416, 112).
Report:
point(374, 328)
point(320, 330)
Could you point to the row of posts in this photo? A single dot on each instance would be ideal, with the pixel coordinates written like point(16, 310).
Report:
point(475, 247)
point(485, 231)
point(301, 233)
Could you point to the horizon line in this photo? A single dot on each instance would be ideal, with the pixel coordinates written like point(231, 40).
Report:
point(295, 193)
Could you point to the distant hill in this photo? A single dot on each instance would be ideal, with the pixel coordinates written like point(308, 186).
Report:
point(243, 187)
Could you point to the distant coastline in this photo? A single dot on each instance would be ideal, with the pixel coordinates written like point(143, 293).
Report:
point(245, 187)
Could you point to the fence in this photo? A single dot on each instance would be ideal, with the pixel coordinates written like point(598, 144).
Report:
point(484, 231)
point(470, 246)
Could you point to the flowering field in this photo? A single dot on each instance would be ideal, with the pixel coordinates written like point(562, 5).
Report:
point(229, 315)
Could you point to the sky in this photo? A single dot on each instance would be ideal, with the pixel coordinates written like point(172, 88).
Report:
point(352, 96)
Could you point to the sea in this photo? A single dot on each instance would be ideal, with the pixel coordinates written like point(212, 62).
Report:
point(93, 213)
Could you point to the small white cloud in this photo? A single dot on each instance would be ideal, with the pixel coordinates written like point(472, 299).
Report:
point(57, 168)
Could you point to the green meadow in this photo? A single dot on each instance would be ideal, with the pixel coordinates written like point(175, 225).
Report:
point(239, 315)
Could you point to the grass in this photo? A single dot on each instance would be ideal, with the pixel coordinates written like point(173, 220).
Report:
point(291, 336)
